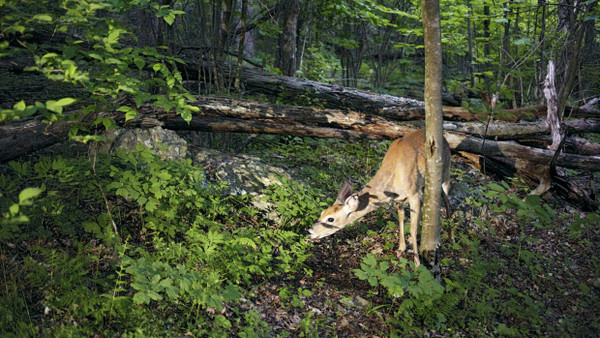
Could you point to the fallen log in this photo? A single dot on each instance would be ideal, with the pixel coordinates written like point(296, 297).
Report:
point(502, 168)
point(228, 115)
point(511, 149)
point(256, 81)
point(233, 125)
point(26, 136)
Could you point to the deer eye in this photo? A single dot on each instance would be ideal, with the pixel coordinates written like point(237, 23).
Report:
point(330, 220)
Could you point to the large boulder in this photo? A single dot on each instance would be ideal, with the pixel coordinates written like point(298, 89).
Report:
point(166, 144)
point(244, 174)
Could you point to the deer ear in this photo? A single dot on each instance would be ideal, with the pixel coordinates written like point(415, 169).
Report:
point(352, 202)
point(345, 192)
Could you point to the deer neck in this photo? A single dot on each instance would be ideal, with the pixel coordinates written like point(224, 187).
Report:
point(369, 199)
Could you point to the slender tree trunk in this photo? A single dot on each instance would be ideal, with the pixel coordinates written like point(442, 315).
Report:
point(486, 47)
point(430, 237)
point(539, 96)
point(217, 46)
point(288, 22)
point(471, 37)
point(242, 40)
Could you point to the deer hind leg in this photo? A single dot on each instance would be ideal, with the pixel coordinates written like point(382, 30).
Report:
point(402, 244)
point(415, 218)
point(446, 190)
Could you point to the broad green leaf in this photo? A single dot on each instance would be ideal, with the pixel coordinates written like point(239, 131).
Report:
point(17, 28)
point(360, 274)
point(496, 187)
point(172, 292)
point(52, 105)
point(14, 209)
point(66, 101)
point(28, 193)
point(154, 295)
point(43, 17)
point(139, 62)
point(187, 116)
point(113, 37)
point(141, 298)
point(370, 260)
point(169, 19)
point(20, 106)
point(151, 204)
point(129, 112)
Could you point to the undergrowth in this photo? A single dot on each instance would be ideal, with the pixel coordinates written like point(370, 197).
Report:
point(128, 244)
point(131, 244)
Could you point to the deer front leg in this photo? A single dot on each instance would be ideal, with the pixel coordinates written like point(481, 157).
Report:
point(402, 244)
point(415, 218)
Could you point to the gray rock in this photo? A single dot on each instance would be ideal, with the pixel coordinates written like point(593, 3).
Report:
point(166, 144)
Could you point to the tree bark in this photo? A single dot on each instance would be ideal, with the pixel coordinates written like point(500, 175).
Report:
point(434, 137)
point(241, 43)
point(288, 24)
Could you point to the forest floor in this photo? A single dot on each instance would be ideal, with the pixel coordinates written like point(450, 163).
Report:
point(520, 276)
point(508, 268)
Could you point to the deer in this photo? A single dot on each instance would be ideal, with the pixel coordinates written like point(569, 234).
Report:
point(400, 178)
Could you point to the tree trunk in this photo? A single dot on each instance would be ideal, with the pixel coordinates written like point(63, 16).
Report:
point(470, 56)
point(288, 24)
point(242, 40)
point(430, 235)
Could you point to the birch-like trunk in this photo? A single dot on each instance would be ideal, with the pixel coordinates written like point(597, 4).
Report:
point(430, 237)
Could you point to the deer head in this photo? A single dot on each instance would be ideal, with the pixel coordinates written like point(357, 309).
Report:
point(348, 207)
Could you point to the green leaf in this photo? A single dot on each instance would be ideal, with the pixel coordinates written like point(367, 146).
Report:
point(231, 293)
point(20, 106)
point(129, 112)
point(139, 62)
point(496, 187)
point(113, 37)
point(370, 260)
point(141, 298)
point(18, 29)
point(154, 295)
point(14, 209)
point(91, 227)
point(169, 19)
point(360, 274)
point(66, 101)
point(187, 116)
point(172, 292)
point(52, 105)
point(151, 204)
point(43, 17)
point(221, 321)
point(27, 194)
